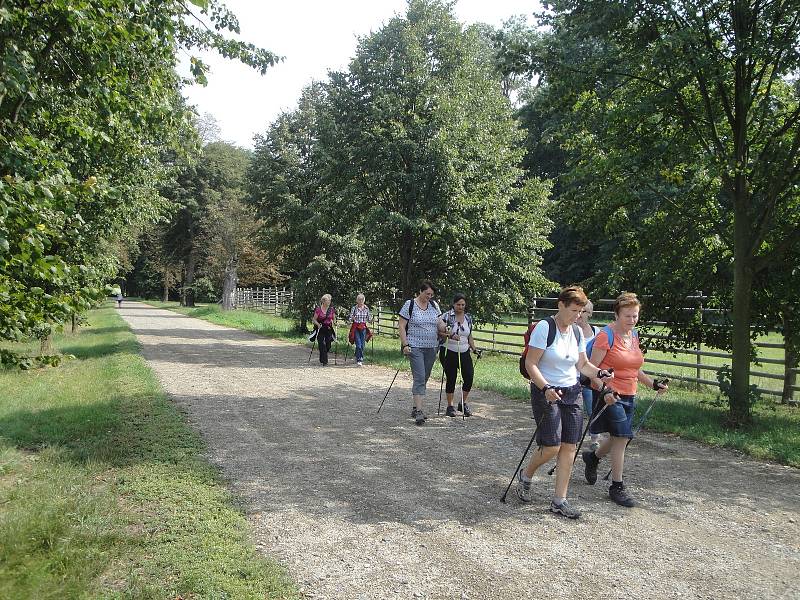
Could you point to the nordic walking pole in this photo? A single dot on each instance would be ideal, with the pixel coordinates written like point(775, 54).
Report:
point(441, 384)
point(641, 421)
point(521, 460)
point(386, 395)
point(463, 404)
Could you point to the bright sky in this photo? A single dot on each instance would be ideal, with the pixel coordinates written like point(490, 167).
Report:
point(314, 36)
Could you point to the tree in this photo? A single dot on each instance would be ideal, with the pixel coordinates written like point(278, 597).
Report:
point(91, 122)
point(284, 184)
point(229, 224)
point(419, 153)
point(684, 136)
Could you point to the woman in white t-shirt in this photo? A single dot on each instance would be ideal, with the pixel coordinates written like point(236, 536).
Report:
point(555, 392)
point(455, 354)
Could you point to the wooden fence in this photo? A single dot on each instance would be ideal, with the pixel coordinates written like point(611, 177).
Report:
point(272, 300)
point(773, 373)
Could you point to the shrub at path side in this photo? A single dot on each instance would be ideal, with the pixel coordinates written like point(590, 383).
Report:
point(774, 433)
point(103, 492)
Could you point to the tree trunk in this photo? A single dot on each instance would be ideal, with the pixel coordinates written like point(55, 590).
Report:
point(407, 283)
point(74, 323)
point(742, 291)
point(165, 295)
point(187, 292)
point(46, 346)
point(229, 284)
point(791, 360)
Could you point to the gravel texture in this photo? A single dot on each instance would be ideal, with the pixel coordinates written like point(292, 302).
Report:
point(359, 505)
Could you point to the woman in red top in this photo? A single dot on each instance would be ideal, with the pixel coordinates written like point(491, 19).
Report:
point(617, 347)
point(324, 320)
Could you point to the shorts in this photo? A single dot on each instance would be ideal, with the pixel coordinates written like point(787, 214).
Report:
point(558, 423)
point(617, 419)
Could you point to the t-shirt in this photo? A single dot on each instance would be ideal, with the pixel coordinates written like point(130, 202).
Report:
point(461, 329)
point(626, 362)
point(422, 330)
point(359, 315)
point(324, 317)
point(557, 363)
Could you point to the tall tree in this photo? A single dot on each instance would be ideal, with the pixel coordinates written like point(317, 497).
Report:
point(229, 224)
point(420, 155)
point(90, 122)
point(685, 138)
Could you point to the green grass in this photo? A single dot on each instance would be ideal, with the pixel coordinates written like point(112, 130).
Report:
point(103, 489)
point(773, 435)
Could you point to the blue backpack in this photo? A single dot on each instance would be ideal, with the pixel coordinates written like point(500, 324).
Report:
point(610, 334)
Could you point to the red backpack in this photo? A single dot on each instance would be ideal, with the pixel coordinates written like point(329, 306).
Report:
point(551, 336)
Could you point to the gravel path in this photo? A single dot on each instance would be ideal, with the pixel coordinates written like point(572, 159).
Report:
point(363, 506)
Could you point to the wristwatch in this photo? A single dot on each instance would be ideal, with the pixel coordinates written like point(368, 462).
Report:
point(548, 387)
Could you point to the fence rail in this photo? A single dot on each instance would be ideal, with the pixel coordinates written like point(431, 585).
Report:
point(272, 299)
point(506, 337)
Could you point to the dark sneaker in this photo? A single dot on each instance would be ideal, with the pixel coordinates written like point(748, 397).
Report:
point(523, 488)
point(414, 412)
point(619, 495)
point(565, 509)
point(419, 418)
point(450, 412)
point(590, 470)
point(467, 412)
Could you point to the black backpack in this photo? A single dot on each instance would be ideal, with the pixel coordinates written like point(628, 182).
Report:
point(551, 337)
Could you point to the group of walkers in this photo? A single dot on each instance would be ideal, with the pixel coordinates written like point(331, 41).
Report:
point(576, 371)
point(324, 320)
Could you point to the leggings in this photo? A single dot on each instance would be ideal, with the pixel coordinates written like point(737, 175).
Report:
point(450, 365)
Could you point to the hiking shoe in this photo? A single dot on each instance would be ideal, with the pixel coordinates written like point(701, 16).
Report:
point(523, 488)
point(618, 494)
point(465, 409)
point(419, 418)
point(451, 411)
point(590, 470)
point(565, 509)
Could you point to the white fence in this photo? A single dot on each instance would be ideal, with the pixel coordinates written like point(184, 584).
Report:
point(272, 300)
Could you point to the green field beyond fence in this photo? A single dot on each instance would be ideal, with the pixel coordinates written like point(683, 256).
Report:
point(697, 365)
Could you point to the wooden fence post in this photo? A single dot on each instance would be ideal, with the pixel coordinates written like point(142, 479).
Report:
point(699, 345)
point(790, 362)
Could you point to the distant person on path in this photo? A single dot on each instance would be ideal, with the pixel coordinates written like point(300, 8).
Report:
point(617, 347)
point(117, 291)
point(360, 318)
point(455, 352)
point(589, 332)
point(419, 328)
point(555, 394)
point(324, 320)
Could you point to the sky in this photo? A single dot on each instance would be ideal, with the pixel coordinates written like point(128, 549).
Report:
point(314, 36)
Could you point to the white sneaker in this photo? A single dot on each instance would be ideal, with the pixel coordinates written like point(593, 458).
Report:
point(523, 488)
point(360, 364)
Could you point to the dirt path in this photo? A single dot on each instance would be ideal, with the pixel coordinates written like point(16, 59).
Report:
point(364, 506)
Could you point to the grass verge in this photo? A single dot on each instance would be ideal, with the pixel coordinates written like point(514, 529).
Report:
point(773, 435)
point(103, 489)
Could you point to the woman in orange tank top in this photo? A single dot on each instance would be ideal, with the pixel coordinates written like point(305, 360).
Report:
point(617, 347)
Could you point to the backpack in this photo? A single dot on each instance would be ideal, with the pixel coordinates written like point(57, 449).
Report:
point(610, 335)
point(551, 337)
